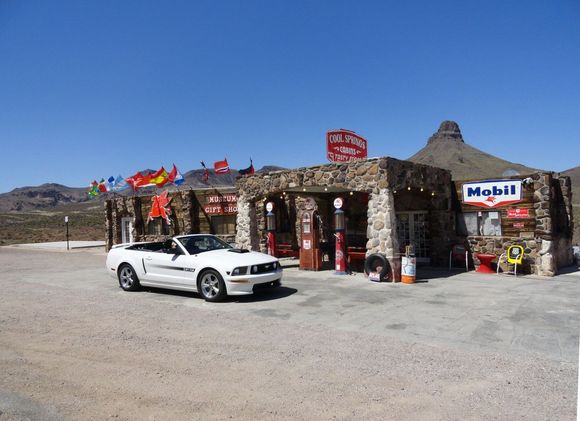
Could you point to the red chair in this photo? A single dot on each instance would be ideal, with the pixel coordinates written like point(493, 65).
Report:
point(459, 253)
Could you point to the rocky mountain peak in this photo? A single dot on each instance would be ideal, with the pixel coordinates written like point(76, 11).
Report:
point(448, 130)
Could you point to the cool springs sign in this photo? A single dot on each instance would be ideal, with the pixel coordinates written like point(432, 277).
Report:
point(492, 193)
point(344, 146)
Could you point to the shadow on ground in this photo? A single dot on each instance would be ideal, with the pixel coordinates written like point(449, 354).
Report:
point(264, 294)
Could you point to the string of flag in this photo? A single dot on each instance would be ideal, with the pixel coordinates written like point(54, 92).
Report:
point(159, 178)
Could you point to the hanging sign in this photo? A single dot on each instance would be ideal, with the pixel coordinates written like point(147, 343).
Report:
point(221, 204)
point(221, 198)
point(338, 202)
point(518, 213)
point(345, 146)
point(270, 206)
point(492, 193)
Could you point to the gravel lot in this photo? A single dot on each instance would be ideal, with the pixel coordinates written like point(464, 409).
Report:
point(468, 346)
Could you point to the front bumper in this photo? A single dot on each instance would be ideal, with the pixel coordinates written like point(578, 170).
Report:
point(244, 284)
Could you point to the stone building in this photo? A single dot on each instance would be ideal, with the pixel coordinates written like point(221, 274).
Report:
point(541, 222)
point(191, 211)
point(388, 203)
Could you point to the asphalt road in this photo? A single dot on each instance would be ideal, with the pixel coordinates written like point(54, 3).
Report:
point(75, 346)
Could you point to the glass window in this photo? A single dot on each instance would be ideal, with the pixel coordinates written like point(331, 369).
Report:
point(158, 226)
point(479, 223)
point(223, 224)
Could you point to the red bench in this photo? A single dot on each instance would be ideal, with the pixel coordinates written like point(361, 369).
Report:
point(356, 258)
point(286, 250)
point(356, 253)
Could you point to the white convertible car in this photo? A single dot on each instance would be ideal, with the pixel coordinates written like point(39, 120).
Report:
point(201, 263)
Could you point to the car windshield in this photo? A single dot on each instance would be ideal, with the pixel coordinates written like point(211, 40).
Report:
point(201, 243)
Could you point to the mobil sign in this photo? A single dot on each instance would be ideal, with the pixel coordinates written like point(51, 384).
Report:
point(344, 146)
point(492, 193)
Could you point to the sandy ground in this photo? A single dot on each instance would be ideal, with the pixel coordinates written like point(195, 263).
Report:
point(74, 346)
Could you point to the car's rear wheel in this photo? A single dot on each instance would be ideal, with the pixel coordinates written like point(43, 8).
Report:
point(211, 286)
point(128, 279)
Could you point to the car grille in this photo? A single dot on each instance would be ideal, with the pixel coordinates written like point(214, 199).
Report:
point(264, 268)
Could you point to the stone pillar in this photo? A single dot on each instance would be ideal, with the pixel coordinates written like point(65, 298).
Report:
point(243, 220)
point(382, 229)
point(108, 224)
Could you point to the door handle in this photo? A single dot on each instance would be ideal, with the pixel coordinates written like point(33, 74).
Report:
point(148, 258)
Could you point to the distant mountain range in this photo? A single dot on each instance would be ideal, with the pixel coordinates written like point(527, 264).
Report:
point(52, 195)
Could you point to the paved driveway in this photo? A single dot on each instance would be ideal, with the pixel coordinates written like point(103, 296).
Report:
point(468, 346)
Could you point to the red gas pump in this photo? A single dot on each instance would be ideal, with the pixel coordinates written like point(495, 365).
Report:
point(339, 226)
point(310, 256)
point(271, 229)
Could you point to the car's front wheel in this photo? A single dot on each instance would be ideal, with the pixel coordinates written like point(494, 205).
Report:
point(211, 286)
point(128, 279)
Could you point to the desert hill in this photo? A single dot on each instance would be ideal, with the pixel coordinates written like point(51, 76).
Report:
point(45, 196)
point(447, 149)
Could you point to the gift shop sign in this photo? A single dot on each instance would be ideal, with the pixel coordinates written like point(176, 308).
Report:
point(344, 146)
point(221, 204)
point(518, 213)
point(492, 193)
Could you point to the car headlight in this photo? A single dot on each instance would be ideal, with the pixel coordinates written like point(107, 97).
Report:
point(242, 270)
point(254, 269)
point(275, 265)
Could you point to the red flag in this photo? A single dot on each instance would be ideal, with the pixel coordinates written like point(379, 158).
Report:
point(205, 175)
point(102, 188)
point(175, 176)
point(221, 167)
point(139, 180)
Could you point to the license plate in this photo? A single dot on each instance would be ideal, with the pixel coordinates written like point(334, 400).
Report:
point(375, 277)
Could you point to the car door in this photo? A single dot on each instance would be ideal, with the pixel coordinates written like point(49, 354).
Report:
point(171, 267)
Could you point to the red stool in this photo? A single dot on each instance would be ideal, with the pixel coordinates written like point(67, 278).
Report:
point(485, 262)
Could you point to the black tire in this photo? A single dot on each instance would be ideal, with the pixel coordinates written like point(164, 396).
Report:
point(128, 279)
point(211, 286)
point(374, 261)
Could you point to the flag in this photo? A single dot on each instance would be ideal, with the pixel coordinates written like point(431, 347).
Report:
point(139, 180)
point(93, 189)
point(205, 175)
point(175, 176)
point(110, 183)
point(119, 184)
point(221, 167)
point(159, 178)
point(249, 170)
point(102, 186)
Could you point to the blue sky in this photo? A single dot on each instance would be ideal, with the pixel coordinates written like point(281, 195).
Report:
point(90, 89)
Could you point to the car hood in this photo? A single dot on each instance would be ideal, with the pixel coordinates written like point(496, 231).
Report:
point(231, 258)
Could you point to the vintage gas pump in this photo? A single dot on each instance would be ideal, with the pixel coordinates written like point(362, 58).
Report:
point(271, 229)
point(310, 256)
point(339, 226)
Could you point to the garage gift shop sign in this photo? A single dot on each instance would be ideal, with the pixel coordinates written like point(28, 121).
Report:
point(221, 204)
point(492, 193)
point(345, 146)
